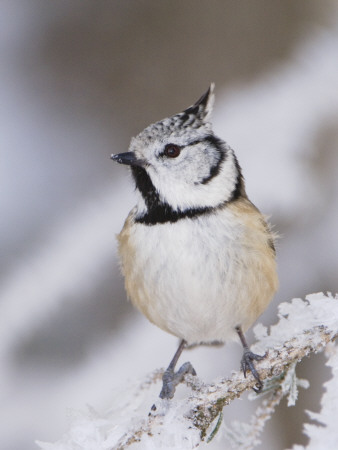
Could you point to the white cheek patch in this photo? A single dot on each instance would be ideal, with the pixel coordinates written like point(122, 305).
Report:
point(182, 193)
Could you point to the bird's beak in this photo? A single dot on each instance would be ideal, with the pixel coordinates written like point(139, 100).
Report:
point(128, 158)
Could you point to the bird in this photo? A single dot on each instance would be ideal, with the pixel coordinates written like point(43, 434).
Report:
point(198, 258)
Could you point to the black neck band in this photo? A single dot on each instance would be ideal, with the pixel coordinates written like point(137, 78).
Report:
point(161, 212)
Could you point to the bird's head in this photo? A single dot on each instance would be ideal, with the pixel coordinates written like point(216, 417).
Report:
point(179, 165)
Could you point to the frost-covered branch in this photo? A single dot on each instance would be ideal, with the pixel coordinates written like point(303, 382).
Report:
point(304, 327)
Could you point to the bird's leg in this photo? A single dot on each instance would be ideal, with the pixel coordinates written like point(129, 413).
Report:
point(171, 378)
point(247, 360)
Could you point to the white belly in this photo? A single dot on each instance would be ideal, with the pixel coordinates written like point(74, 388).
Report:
point(197, 279)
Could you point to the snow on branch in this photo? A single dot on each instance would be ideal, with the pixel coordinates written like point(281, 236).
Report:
point(304, 327)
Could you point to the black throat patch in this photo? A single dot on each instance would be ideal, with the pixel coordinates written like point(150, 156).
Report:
point(157, 210)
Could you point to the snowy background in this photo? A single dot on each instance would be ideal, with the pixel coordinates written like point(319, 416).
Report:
point(77, 80)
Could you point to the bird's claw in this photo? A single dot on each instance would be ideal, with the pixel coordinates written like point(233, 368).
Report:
point(171, 379)
point(247, 364)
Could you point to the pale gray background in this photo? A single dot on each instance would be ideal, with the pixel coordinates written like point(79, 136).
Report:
point(77, 80)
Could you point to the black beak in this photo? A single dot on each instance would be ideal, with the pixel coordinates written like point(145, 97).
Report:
point(128, 158)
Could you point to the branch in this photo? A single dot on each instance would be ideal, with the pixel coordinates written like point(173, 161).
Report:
point(304, 327)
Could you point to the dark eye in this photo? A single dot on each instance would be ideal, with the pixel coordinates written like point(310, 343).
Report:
point(172, 150)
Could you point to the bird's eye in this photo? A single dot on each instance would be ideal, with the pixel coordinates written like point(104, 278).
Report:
point(172, 150)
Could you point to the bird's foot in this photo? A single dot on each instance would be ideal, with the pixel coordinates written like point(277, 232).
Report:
point(171, 379)
point(247, 364)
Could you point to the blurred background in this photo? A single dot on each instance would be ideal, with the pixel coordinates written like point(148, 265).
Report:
point(77, 80)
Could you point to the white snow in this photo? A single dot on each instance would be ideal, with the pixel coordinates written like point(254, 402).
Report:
point(170, 427)
point(324, 434)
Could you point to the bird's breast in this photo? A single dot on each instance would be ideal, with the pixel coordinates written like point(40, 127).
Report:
point(196, 278)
